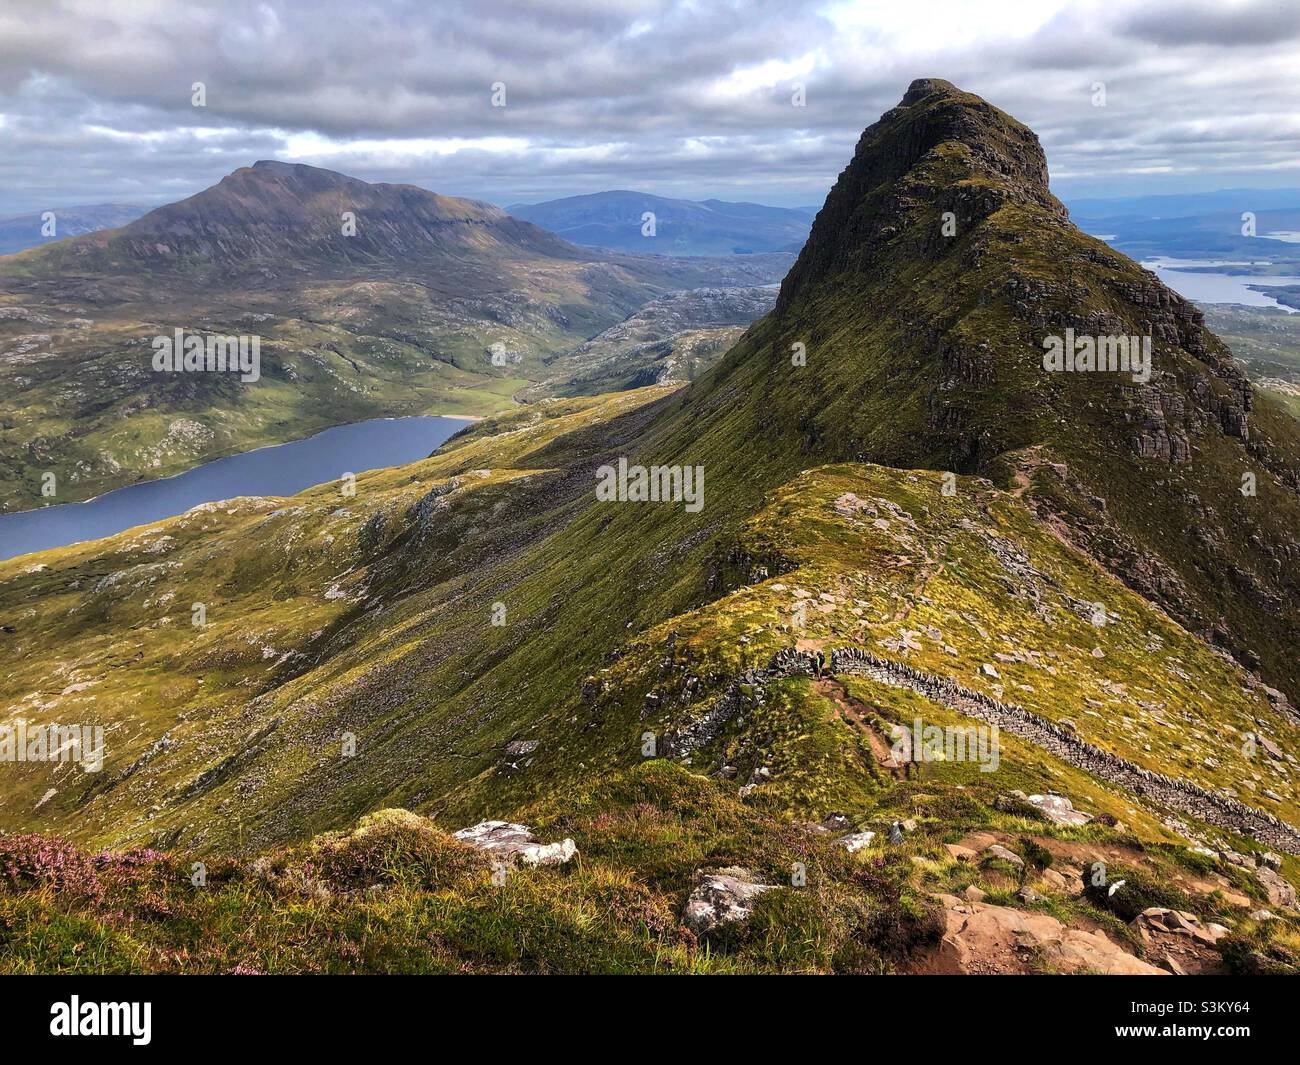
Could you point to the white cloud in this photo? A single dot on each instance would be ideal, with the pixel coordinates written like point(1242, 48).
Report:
point(921, 27)
point(309, 146)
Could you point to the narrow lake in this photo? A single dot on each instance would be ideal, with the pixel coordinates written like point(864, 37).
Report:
point(1216, 287)
point(280, 470)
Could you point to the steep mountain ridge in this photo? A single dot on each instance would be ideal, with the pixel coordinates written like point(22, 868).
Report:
point(938, 149)
point(921, 301)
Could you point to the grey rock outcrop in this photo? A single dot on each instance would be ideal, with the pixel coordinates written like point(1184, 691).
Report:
point(509, 842)
point(725, 896)
point(1216, 809)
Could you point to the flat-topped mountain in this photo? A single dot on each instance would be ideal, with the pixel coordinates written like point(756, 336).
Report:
point(617, 220)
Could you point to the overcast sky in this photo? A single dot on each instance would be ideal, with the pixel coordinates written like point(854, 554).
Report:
point(678, 98)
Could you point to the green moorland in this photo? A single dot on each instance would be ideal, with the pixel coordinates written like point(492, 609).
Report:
point(396, 894)
point(1267, 341)
point(310, 628)
point(372, 614)
point(670, 340)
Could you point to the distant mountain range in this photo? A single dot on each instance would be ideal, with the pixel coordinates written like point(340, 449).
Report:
point(1202, 226)
point(369, 300)
point(616, 220)
point(26, 230)
point(1184, 204)
point(1183, 225)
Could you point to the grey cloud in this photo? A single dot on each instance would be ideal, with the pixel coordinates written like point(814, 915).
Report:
point(607, 94)
point(1261, 22)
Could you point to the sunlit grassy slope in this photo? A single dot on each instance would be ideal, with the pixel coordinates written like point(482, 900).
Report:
point(372, 614)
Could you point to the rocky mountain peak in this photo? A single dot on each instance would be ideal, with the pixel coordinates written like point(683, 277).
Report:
point(939, 279)
point(923, 87)
point(292, 194)
point(940, 150)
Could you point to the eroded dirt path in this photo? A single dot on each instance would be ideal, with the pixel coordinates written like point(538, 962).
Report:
point(856, 712)
point(1030, 461)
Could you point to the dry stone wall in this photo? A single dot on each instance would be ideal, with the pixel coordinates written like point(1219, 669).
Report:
point(1216, 809)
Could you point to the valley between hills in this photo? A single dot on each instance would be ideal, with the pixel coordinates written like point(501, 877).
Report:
point(432, 305)
point(474, 719)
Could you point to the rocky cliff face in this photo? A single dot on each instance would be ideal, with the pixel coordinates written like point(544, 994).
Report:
point(939, 149)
